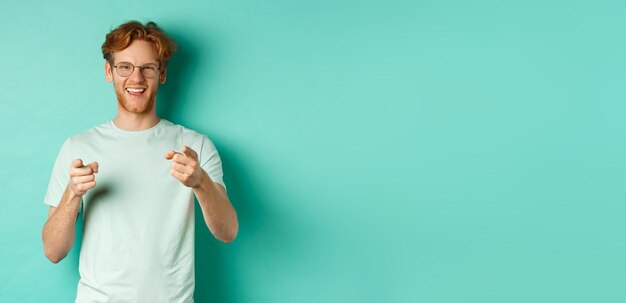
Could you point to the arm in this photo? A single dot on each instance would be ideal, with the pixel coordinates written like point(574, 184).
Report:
point(219, 215)
point(59, 231)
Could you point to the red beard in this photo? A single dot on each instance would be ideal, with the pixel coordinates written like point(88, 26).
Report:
point(136, 107)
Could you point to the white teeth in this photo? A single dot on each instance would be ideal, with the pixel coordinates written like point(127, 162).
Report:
point(135, 90)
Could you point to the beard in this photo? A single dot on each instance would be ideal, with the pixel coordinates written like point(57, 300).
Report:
point(140, 107)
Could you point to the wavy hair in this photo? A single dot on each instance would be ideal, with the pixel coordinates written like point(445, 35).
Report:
point(124, 35)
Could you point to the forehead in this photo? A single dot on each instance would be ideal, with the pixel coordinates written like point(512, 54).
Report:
point(139, 52)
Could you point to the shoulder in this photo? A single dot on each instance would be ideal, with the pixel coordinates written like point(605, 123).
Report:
point(197, 141)
point(98, 129)
point(84, 136)
point(88, 134)
point(187, 134)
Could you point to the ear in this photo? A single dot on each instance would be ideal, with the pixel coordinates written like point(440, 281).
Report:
point(163, 74)
point(108, 71)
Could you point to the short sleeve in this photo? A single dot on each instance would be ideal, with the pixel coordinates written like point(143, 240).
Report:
point(210, 161)
point(60, 176)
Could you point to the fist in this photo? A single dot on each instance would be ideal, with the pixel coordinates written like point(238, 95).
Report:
point(82, 177)
point(185, 167)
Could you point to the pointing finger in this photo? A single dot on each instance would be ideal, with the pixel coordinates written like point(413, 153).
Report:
point(182, 158)
point(94, 166)
point(82, 171)
point(78, 169)
point(190, 152)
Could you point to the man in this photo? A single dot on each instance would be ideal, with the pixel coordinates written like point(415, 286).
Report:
point(134, 189)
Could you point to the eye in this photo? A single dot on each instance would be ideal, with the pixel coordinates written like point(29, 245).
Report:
point(124, 67)
point(150, 68)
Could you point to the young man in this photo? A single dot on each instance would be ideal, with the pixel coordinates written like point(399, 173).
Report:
point(135, 190)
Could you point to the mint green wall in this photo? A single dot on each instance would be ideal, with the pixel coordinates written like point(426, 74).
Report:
point(376, 151)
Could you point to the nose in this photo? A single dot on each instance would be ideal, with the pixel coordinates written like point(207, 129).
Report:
point(136, 75)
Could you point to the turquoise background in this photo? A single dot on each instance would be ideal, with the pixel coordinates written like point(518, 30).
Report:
point(376, 151)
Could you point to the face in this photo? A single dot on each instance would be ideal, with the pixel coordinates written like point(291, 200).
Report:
point(136, 93)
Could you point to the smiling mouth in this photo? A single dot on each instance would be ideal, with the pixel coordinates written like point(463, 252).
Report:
point(135, 91)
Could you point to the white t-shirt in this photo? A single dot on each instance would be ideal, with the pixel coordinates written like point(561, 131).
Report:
point(138, 234)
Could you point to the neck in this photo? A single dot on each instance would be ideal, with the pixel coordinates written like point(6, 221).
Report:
point(135, 122)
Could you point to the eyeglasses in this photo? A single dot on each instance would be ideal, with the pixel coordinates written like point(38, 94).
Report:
point(126, 69)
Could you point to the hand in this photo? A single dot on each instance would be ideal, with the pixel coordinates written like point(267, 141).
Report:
point(185, 166)
point(82, 178)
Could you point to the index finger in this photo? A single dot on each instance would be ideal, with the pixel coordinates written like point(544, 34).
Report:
point(93, 166)
point(190, 152)
point(81, 171)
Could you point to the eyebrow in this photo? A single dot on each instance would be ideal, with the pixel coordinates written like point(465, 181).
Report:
point(155, 63)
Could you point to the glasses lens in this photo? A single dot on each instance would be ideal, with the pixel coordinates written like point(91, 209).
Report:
point(124, 69)
point(149, 70)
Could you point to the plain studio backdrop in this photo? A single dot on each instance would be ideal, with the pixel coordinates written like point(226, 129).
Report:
point(376, 151)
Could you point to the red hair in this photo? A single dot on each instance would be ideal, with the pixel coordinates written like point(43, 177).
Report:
point(124, 35)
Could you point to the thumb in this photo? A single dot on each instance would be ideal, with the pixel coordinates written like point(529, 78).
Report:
point(78, 163)
point(94, 166)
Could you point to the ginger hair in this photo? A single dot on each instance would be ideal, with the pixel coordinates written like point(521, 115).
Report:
point(124, 35)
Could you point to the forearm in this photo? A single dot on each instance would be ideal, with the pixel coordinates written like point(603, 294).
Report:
point(219, 214)
point(59, 232)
